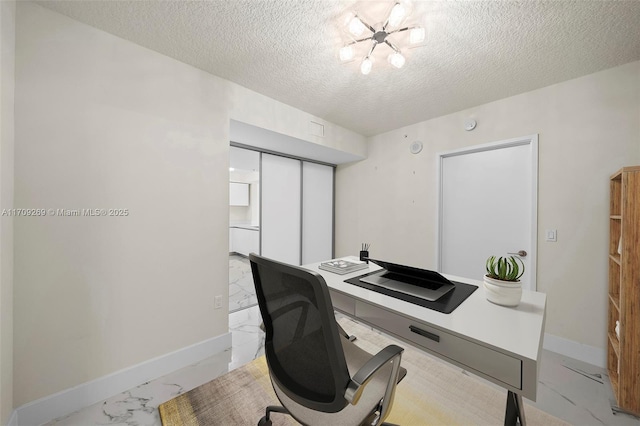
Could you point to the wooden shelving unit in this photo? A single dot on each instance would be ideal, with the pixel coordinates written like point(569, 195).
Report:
point(623, 352)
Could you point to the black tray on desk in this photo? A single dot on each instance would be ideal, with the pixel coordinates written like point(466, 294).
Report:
point(446, 304)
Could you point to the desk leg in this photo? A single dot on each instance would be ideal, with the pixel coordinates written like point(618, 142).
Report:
point(515, 410)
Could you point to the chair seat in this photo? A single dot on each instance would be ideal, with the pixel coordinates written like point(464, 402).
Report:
point(351, 414)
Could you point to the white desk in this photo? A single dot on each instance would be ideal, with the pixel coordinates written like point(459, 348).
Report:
point(500, 344)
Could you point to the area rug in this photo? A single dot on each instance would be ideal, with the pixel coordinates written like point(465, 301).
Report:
point(432, 393)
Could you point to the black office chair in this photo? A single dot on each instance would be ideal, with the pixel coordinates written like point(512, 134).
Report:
point(318, 374)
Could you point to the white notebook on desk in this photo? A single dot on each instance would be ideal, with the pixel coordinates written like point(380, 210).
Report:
point(342, 266)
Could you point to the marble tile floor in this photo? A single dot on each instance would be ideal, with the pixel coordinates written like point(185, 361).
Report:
point(574, 391)
point(577, 392)
point(242, 293)
point(139, 406)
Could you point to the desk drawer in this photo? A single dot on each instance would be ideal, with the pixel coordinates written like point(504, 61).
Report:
point(343, 303)
point(489, 362)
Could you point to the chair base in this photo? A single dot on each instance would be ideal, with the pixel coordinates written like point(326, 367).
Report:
point(266, 420)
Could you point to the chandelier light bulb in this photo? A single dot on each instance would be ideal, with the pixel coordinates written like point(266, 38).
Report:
point(416, 35)
point(346, 53)
point(356, 27)
point(366, 65)
point(348, 17)
point(396, 59)
point(396, 15)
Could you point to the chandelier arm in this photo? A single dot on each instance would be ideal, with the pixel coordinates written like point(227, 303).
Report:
point(359, 41)
point(386, 21)
point(373, 46)
point(391, 45)
point(366, 24)
point(400, 30)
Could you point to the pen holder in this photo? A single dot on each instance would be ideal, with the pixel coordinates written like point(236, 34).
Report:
point(364, 255)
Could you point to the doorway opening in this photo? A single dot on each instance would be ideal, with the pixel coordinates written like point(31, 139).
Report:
point(262, 225)
point(244, 225)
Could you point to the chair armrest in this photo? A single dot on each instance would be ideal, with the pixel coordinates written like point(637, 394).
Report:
point(363, 375)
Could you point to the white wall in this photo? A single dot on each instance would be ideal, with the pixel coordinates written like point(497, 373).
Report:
point(103, 123)
point(7, 63)
point(265, 113)
point(589, 127)
point(239, 215)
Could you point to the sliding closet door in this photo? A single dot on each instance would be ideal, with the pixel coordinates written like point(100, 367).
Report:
point(317, 212)
point(281, 208)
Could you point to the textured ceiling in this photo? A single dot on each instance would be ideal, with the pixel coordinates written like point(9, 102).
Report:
point(475, 51)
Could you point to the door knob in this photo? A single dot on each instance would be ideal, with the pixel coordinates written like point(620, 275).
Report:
point(521, 253)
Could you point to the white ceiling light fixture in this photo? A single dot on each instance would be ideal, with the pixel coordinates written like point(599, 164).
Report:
point(366, 65)
point(416, 35)
point(396, 59)
point(379, 34)
point(346, 53)
point(396, 15)
point(356, 26)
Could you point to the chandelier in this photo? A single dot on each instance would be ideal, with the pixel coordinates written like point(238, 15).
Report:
point(361, 32)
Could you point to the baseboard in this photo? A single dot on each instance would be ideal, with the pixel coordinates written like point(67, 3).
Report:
point(589, 354)
point(70, 400)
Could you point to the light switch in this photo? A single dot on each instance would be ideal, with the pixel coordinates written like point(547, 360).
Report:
point(552, 235)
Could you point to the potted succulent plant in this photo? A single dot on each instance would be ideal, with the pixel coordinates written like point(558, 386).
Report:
point(502, 282)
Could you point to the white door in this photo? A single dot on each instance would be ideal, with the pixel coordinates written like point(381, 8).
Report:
point(488, 206)
point(281, 208)
point(317, 212)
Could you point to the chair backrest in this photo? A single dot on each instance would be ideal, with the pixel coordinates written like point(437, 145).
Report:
point(302, 346)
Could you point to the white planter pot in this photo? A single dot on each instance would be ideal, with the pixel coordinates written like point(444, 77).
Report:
point(505, 293)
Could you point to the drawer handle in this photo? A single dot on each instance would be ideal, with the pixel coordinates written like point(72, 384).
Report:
point(424, 333)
